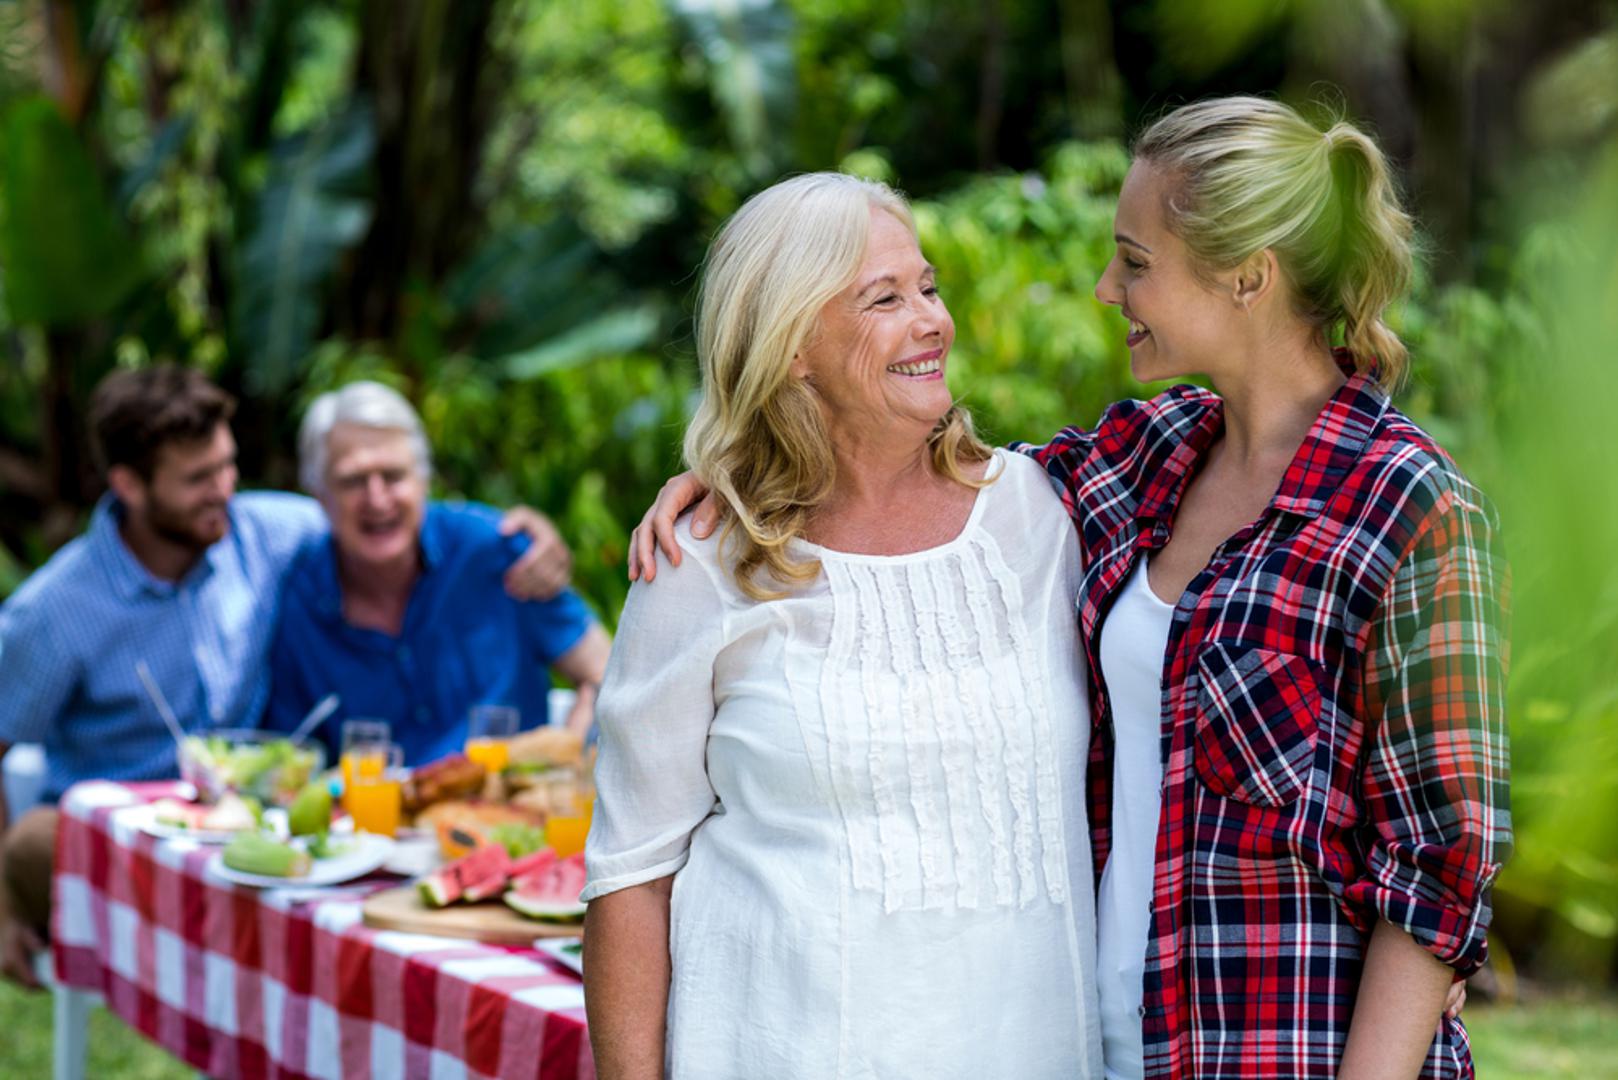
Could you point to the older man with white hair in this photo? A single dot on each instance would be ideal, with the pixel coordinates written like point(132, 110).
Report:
point(399, 608)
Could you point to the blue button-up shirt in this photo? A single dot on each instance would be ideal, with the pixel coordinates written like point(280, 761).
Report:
point(464, 641)
point(72, 633)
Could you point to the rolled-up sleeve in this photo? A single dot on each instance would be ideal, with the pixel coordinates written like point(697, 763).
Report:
point(1434, 782)
point(655, 708)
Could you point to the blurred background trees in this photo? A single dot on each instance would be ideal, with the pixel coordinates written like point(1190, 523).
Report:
point(499, 206)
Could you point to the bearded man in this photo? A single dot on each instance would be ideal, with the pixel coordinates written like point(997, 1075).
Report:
point(178, 571)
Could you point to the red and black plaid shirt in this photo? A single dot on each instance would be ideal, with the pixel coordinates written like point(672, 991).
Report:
point(1334, 738)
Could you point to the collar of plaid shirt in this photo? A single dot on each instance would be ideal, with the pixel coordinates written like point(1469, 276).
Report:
point(1333, 444)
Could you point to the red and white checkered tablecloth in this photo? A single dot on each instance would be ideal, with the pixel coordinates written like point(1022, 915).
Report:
point(241, 982)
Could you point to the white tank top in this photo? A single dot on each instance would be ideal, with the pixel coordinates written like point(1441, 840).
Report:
point(1134, 639)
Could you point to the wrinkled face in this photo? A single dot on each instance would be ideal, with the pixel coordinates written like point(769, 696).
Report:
point(375, 495)
point(1179, 324)
point(877, 359)
point(187, 499)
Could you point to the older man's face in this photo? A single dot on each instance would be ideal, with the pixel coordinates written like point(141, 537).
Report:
point(375, 494)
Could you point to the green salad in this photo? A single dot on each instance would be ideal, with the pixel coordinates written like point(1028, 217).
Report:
point(270, 770)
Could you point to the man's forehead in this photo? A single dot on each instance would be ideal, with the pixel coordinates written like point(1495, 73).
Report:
point(359, 449)
point(203, 451)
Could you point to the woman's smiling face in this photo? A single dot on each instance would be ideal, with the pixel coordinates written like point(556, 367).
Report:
point(877, 358)
point(1180, 323)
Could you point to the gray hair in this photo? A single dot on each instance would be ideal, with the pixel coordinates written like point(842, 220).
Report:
point(367, 404)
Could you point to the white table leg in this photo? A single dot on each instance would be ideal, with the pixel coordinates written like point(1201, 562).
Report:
point(72, 1030)
point(70, 1026)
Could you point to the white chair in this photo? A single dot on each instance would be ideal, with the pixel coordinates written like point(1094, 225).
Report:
point(559, 703)
point(24, 768)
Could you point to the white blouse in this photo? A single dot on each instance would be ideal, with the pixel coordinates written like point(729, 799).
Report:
point(871, 795)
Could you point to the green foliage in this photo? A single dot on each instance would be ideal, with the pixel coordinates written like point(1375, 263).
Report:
point(311, 210)
point(66, 251)
point(1019, 256)
point(585, 126)
point(1551, 474)
point(749, 49)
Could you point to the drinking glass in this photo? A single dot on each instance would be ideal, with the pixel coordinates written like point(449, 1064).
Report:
point(572, 799)
point(488, 729)
point(375, 797)
point(356, 735)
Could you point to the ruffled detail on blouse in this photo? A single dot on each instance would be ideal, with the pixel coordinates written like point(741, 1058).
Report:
point(935, 715)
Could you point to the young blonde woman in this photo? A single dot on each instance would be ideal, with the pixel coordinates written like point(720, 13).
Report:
point(1293, 612)
point(840, 823)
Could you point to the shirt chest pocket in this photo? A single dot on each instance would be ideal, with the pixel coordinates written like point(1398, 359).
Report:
point(1255, 726)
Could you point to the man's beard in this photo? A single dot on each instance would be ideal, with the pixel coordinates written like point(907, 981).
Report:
point(175, 526)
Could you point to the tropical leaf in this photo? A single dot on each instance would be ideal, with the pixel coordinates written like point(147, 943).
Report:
point(166, 147)
point(67, 253)
point(623, 330)
point(313, 208)
point(527, 284)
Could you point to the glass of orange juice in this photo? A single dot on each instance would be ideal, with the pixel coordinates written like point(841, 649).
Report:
point(572, 804)
point(374, 797)
point(357, 735)
point(489, 728)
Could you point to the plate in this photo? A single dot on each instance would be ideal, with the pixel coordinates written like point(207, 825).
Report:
point(365, 853)
point(567, 951)
point(145, 819)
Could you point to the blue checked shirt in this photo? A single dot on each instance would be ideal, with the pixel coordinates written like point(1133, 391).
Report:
point(71, 635)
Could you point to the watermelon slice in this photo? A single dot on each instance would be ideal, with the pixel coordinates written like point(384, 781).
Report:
point(529, 863)
point(550, 893)
point(477, 876)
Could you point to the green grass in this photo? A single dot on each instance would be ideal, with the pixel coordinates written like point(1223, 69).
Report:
point(115, 1050)
point(1568, 1035)
point(1553, 1036)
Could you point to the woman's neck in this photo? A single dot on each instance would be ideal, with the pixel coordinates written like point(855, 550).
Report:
point(888, 498)
point(1270, 405)
point(874, 476)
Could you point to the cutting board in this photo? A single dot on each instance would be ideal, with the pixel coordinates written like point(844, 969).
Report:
point(489, 921)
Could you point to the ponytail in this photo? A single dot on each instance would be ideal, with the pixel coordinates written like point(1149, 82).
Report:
point(1375, 252)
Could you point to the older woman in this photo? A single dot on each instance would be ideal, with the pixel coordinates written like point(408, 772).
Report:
point(400, 609)
point(840, 828)
point(1293, 608)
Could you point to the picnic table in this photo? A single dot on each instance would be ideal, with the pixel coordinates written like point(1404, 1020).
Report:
point(289, 983)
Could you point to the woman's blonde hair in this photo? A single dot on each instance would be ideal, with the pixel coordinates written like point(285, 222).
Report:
point(758, 438)
point(1246, 174)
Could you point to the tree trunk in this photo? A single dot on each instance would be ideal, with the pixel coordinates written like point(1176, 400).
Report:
point(420, 66)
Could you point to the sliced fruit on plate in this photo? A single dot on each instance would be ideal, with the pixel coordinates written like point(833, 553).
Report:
point(463, 824)
point(529, 863)
point(231, 813)
point(550, 893)
point(255, 853)
point(477, 876)
point(520, 839)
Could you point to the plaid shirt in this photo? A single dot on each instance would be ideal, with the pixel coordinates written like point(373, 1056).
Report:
point(1334, 737)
